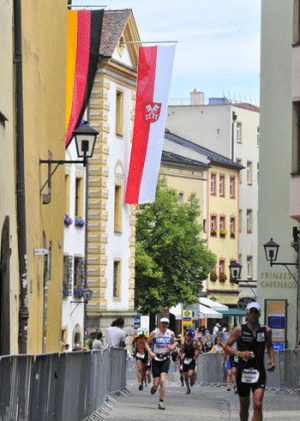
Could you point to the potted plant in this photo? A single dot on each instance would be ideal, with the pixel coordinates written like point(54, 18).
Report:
point(79, 222)
point(213, 276)
point(222, 277)
point(67, 220)
point(223, 232)
point(78, 292)
point(232, 234)
point(213, 232)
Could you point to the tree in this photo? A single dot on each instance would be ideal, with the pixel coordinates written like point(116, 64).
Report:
point(171, 258)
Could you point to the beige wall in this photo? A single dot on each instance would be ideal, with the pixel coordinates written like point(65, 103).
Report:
point(7, 169)
point(44, 66)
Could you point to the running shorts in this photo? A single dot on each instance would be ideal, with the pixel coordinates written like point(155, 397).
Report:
point(159, 367)
point(188, 367)
point(244, 388)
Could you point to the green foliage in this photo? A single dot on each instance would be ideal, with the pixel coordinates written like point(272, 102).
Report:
point(171, 259)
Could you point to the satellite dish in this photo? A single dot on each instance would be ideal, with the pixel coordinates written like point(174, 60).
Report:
point(244, 301)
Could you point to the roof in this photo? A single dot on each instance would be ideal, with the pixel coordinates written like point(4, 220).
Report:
point(113, 25)
point(172, 158)
point(214, 157)
point(247, 106)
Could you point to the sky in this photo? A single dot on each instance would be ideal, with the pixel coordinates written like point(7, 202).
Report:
point(218, 48)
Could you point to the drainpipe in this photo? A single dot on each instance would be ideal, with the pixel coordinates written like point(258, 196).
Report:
point(234, 117)
point(21, 219)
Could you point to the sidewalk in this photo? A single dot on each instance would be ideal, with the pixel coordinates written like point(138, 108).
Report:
point(205, 402)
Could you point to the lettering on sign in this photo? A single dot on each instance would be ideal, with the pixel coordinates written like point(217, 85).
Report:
point(277, 280)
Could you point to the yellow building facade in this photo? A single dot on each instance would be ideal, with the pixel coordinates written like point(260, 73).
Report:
point(223, 230)
point(44, 42)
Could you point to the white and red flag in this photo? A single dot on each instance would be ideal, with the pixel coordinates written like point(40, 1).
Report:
point(153, 84)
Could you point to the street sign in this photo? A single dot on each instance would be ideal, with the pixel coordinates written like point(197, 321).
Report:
point(136, 322)
point(244, 301)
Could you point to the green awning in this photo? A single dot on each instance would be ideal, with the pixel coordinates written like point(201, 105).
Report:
point(233, 312)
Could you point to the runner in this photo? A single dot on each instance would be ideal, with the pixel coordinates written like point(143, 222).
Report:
point(163, 342)
point(252, 339)
point(140, 353)
point(189, 352)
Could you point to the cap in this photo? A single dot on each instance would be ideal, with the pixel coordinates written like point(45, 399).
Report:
point(164, 320)
point(253, 304)
point(139, 331)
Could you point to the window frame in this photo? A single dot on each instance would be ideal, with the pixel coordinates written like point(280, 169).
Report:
point(222, 185)
point(232, 187)
point(213, 184)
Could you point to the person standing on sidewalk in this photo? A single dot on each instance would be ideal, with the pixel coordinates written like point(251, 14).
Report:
point(163, 342)
point(189, 352)
point(252, 339)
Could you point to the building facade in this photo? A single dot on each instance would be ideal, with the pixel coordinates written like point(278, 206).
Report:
point(111, 234)
point(231, 130)
point(277, 290)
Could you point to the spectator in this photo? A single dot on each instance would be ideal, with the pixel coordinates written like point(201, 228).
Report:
point(89, 342)
point(216, 329)
point(115, 335)
point(218, 347)
point(97, 342)
point(207, 345)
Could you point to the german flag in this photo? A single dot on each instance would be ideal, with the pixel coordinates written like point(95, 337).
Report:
point(84, 34)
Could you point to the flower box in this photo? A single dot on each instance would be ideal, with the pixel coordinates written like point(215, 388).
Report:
point(78, 292)
point(67, 220)
point(213, 232)
point(222, 277)
point(232, 234)
point(79, 223)
point(223, 232)
point(213, 276)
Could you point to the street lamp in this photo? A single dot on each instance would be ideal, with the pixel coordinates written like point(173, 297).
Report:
point(235, 270)
point(271, 251)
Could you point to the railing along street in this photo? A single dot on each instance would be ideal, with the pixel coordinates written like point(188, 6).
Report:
point(68, 386)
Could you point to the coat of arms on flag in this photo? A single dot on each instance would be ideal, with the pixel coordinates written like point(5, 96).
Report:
point(152, 111)
point(153, 84)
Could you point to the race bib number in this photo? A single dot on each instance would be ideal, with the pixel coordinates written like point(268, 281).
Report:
point(188, 360)
point(250, 375)
point(139, 355)
point(260, 337)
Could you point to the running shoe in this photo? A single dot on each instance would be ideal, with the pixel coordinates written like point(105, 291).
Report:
point(161, 405)
point(235, 389)
point(140, 387)
point(153, 390)
point(192, 382)
point(188, 391)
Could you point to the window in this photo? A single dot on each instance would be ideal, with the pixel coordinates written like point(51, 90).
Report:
point(222, 185)
point(78, 272)
point(249, 172)
point(181, 198)
point(258, 136)
point(239, 161)
point(119, 113)
point(240, 219)
point(239, 132)
point(223, 231)
point(78, 197)
point(232, 187)
point(249, 267)
point(118, 209)
point(204, 225)
point(221, 265)
point(296, 138)
point(68, 269)
point(249, 221)
point(232, 227)
point(117, 279)
point(213, 184)
point(67, 189)
point(213, 225)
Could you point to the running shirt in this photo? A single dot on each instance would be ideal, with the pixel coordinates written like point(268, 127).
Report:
point(255, 343)
point(189, 350)
point(161, 341)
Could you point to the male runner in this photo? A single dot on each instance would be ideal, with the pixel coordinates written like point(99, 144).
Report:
point(189, 352)
point(163, 342)
point(252, 339)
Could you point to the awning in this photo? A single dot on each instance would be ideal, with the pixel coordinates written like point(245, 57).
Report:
point(233, 312)
point(212, 304)
point(209, 313)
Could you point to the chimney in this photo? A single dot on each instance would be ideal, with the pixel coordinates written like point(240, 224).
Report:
point(197, 97)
